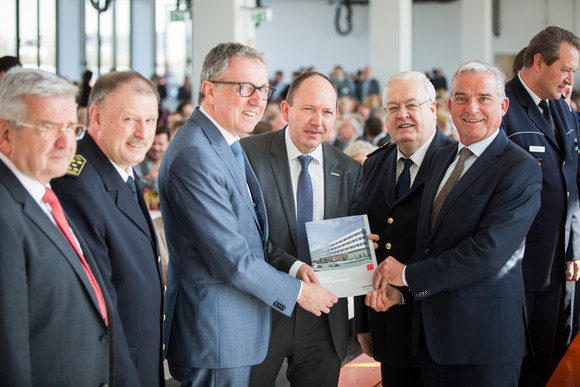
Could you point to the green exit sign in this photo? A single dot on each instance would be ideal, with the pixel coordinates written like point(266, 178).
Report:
point(178, 15)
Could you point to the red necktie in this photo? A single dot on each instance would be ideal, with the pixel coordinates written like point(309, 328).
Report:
point(58, 215)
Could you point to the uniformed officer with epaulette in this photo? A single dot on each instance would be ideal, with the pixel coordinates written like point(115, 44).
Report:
point(114, 220)
point(392, 187)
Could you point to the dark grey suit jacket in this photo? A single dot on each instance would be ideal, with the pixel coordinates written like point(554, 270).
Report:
point(342, 177)
point(52, 331)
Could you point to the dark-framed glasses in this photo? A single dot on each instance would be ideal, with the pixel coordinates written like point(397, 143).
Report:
point(247, 89)
point(51, 131)
point(410, 107)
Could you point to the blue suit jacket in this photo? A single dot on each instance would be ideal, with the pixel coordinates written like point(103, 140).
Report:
point(52, 330)
point(120, 234)
point(220, 288)
point(466, 272)
point(395, 221)
point(554, 233)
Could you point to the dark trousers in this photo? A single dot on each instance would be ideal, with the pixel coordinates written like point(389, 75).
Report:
point(306, 342)
point(401, 376)
point(443, 375)
point(543, 309)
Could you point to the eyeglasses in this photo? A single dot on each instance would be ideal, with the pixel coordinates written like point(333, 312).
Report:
point(410, 107)
point(247, 89)
point(51, 131)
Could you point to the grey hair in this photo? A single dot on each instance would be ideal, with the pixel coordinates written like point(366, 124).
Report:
point(355, 120)
point(19, 83)
point(405, 75)
point(216, 62)
point(477, 66)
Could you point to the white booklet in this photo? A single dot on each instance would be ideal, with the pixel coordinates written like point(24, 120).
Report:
point(342, 255)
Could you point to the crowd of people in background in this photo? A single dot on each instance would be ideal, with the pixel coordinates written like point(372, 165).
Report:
point(421, 149)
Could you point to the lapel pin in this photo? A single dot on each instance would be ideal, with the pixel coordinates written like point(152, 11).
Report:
point(334, 174)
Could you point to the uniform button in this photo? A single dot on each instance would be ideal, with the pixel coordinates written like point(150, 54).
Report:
point(159, 258)
point(388, 246)
point(104, 339)
point(427, 252)
point(390, 221)
point(164, 317)
point(104, 385)
point(163, 347)
point(567, 194)
point(164, 288)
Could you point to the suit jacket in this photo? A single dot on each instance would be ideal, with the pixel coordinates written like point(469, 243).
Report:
point(553, 236)
point(220, 287)
point(373, 88)
point(121, 236)
point(52, 331)
point(342, 175)
point(395, 221)
point(466, 272)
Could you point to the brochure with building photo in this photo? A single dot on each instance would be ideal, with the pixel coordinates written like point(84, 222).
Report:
point(342, 255)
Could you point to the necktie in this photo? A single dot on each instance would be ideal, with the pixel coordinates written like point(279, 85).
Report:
point(239, 155)
point(58, 215)
point(546, 111)
point(132, 187)
point(404, 182)
point(438, 203)
point(304, 208)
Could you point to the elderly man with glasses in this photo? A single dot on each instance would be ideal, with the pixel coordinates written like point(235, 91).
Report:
point(55, 318)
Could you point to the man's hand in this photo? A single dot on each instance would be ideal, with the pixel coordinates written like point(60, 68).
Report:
point(364, 339)
point(316, 299)
point(307, 274)
point(390, 271)
point(382, 300)
point(573, 270)
point(375, 239)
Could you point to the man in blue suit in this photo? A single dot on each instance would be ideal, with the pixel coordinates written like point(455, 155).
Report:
point(552, 245)
point(465, 277)
point(392, 188)
point(115, 221)
point(220, 286)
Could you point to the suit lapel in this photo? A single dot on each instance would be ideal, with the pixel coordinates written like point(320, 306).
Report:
point(40, 220)
point(533, 111)
point(482, 164)
point(332, 181)
point(389, 168)
point(280, 168)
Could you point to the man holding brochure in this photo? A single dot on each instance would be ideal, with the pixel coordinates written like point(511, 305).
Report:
point(394, 177)
point(304, 179)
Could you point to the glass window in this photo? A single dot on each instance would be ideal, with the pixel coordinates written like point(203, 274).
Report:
point(8, 29)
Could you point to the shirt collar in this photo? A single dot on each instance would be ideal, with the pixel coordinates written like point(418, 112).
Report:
point(33, 186)
point(293, 152)
point(227, 135)
point(419, 154)
point(479, 147)
point(530, 92)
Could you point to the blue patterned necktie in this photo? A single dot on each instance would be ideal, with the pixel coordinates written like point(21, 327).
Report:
point(404, 182)
point(132, 187)
point(304, 208)
point(239, 155)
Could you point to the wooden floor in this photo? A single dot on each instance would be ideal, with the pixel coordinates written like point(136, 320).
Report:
point(567, 373)
point(363, 371)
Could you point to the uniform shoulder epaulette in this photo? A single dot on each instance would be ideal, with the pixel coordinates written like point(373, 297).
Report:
point(76, 165)
point(379, 149)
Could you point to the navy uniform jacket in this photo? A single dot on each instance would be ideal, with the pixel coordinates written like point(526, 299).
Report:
point(395, 221)
point(53, 333)
point(554, 233)
point(465, 275)
point(121, 236)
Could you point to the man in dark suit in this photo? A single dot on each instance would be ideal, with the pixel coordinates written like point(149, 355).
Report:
point(313, 345)
point(392, 190)
point(115, 222)
point(55, 318)
point(220, 287)
point(552, 245)
point(366, 85)
point(465, 278)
